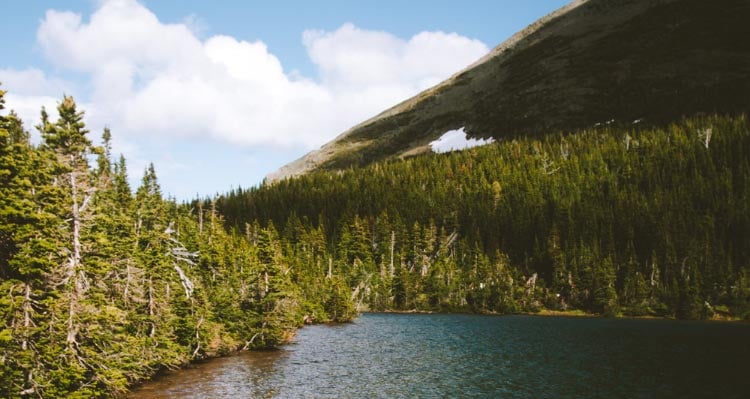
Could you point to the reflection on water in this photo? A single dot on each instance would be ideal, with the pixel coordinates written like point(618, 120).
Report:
point(246, 374)
point(463, 356)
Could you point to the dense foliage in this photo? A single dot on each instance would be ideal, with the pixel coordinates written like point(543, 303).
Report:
point(101, 287)
point(612, 220)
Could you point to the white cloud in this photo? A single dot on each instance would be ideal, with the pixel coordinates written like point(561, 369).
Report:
point(28, 109)
point(120, 31)
point(32, 82)
point(153, 78)
point(28, 90)
point(352, 58)
point(162, 85)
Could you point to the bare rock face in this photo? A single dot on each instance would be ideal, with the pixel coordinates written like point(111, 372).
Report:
point(589, 62)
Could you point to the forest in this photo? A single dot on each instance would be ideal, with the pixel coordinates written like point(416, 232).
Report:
point(620, 219)
point(102, 285)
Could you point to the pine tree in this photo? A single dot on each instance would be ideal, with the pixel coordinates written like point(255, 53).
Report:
point(277, 297)
point(20, 280)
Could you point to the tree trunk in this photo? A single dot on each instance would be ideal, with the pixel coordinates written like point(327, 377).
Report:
point(151, 307)
point(265, 280)
point(200, 217)
point(75, 259)
point(393, 245)
point(74, 265)
point(26, 316)
point(197, 338)
point(213, 220)
point(126, 291)
point(71, 338)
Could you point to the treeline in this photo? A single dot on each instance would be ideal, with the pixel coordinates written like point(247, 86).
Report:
point(612, 220)
point(101, 287)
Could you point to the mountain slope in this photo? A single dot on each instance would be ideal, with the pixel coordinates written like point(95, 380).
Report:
point(589, 62)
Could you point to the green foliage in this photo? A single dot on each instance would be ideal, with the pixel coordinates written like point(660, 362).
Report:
point(338, 304)
point(103, 287)
point(601, 220)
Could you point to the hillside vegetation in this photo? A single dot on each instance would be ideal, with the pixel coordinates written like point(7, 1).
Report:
point(614, 220)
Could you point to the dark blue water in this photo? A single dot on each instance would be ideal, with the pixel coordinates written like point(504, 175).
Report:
point(464, 356)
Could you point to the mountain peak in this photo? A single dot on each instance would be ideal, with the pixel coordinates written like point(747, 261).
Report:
point(588, 62)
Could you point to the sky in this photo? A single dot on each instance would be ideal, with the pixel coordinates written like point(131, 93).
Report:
point(219, 94)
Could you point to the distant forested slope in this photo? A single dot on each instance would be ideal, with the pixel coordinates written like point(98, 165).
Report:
point(611, 220)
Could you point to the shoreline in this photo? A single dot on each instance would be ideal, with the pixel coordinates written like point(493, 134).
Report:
point(559, 313)
point(132, 389)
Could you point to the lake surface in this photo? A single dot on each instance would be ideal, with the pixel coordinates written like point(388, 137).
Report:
point(465, 356)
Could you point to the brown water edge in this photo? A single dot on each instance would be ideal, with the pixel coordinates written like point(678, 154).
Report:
point(717, 317)
point(165, 377)
point(172, 383)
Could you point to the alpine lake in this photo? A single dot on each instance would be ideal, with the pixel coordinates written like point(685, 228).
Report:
point(384, 355)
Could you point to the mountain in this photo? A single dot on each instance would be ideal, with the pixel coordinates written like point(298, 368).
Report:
point(594, 61)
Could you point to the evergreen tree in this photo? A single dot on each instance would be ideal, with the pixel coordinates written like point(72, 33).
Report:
point(278, 299)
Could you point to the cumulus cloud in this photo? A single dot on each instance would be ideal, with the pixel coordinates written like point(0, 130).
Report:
point(29, 90)
point(156, 79)
point(168, 90)
point(32, 82)
point(352, 58)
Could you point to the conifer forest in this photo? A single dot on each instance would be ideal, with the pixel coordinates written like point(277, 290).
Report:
point(102, 284)
point(614, 220)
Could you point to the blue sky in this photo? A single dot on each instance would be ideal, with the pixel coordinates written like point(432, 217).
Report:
point(219, 94)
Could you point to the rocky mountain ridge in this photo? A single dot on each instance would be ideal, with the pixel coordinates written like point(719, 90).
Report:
point(588, 62)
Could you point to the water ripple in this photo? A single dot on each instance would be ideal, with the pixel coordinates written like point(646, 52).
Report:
point(463, 356)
